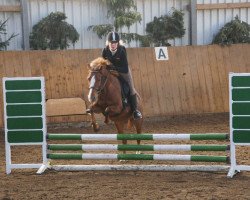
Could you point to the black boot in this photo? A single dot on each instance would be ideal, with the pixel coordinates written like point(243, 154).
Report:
point(136, 113)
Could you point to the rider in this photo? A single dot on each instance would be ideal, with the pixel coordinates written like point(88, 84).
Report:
point(116, 53)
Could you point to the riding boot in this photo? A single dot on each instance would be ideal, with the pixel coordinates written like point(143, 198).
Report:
point(136, 113)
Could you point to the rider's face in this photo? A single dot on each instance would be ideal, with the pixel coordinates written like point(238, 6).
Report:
point(113, 45)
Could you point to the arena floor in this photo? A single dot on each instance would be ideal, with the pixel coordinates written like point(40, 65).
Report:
point(25, 184)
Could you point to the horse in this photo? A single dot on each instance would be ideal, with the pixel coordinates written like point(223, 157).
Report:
point(105, 96)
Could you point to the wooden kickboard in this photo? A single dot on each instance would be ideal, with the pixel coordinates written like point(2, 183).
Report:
point(65, 106)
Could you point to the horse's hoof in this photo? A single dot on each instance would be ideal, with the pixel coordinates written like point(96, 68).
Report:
point(95, 127)
point(138, 152)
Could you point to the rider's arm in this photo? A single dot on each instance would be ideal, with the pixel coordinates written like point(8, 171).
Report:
point(122, 67)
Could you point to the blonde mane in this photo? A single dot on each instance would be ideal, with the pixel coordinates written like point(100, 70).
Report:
point(98, 63)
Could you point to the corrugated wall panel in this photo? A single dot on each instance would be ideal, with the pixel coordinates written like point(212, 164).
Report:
point(209, 22)
point(80, 13)
point(155, 8)
point(14, 25)
point(83, 13)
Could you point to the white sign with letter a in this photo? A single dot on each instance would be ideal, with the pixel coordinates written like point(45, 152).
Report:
point(161, 53)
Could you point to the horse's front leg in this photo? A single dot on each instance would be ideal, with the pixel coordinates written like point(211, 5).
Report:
point(113, 110)
point(91, 111)
point(94, 109)
point(94, 124)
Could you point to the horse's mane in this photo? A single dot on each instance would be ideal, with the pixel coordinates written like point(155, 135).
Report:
point(98, 63)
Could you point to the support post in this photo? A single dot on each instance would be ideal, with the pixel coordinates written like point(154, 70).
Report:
point(193, 20)
point(25, 24)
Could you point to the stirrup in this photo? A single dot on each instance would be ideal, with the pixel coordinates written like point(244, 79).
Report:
point(137, 114)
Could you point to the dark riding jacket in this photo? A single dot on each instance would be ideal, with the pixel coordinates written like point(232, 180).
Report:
point(119, 59)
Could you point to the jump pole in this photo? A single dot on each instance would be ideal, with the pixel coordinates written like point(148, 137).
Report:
point(129, 147)
point(201, 168)
point(155, 136)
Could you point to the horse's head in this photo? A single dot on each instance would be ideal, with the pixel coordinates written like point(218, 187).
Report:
point(97, 78)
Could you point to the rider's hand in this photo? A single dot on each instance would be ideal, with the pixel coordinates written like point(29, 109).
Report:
point(114, 72)
point(111, 67)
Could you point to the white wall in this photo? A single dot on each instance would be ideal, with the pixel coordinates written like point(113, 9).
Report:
point(14, 25)
point(83, 13)
point(209, 22)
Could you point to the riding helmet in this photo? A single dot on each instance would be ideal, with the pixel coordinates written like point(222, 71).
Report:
point(113, 37)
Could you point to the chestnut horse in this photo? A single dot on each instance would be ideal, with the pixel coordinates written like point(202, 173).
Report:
point(105, 97)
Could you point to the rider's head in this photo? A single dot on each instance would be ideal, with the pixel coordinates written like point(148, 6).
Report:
point(113, 40)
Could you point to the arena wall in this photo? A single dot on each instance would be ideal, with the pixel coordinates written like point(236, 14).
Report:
point(194, 80)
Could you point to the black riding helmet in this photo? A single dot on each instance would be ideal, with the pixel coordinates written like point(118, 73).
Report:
point(113, 37)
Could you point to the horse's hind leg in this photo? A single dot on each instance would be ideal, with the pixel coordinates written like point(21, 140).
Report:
point(120, 127)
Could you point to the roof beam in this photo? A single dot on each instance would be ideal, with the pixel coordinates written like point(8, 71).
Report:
point(10, 8)
point(222, 6)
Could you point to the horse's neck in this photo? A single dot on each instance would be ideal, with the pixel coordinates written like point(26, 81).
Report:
point(114, 84)
point(112, 94)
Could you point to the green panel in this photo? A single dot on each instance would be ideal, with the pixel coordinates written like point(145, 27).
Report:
point(205, 136)
point(24, 97)
point(241, 108)
point(25, 123)
point(65, 156)
point(70, 147)
point(201, 158)
point(241, 81)
point(135, 157)
point(241, 94)
point(241, 136)
point(131, 147)
point(210, 147)
point(24, 110)
point(22, 84)
point(134, 137)
point(241, 122)
point(58, 136)
point(25, 136)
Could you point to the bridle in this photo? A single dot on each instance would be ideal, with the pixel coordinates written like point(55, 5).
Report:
point(104, 80)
